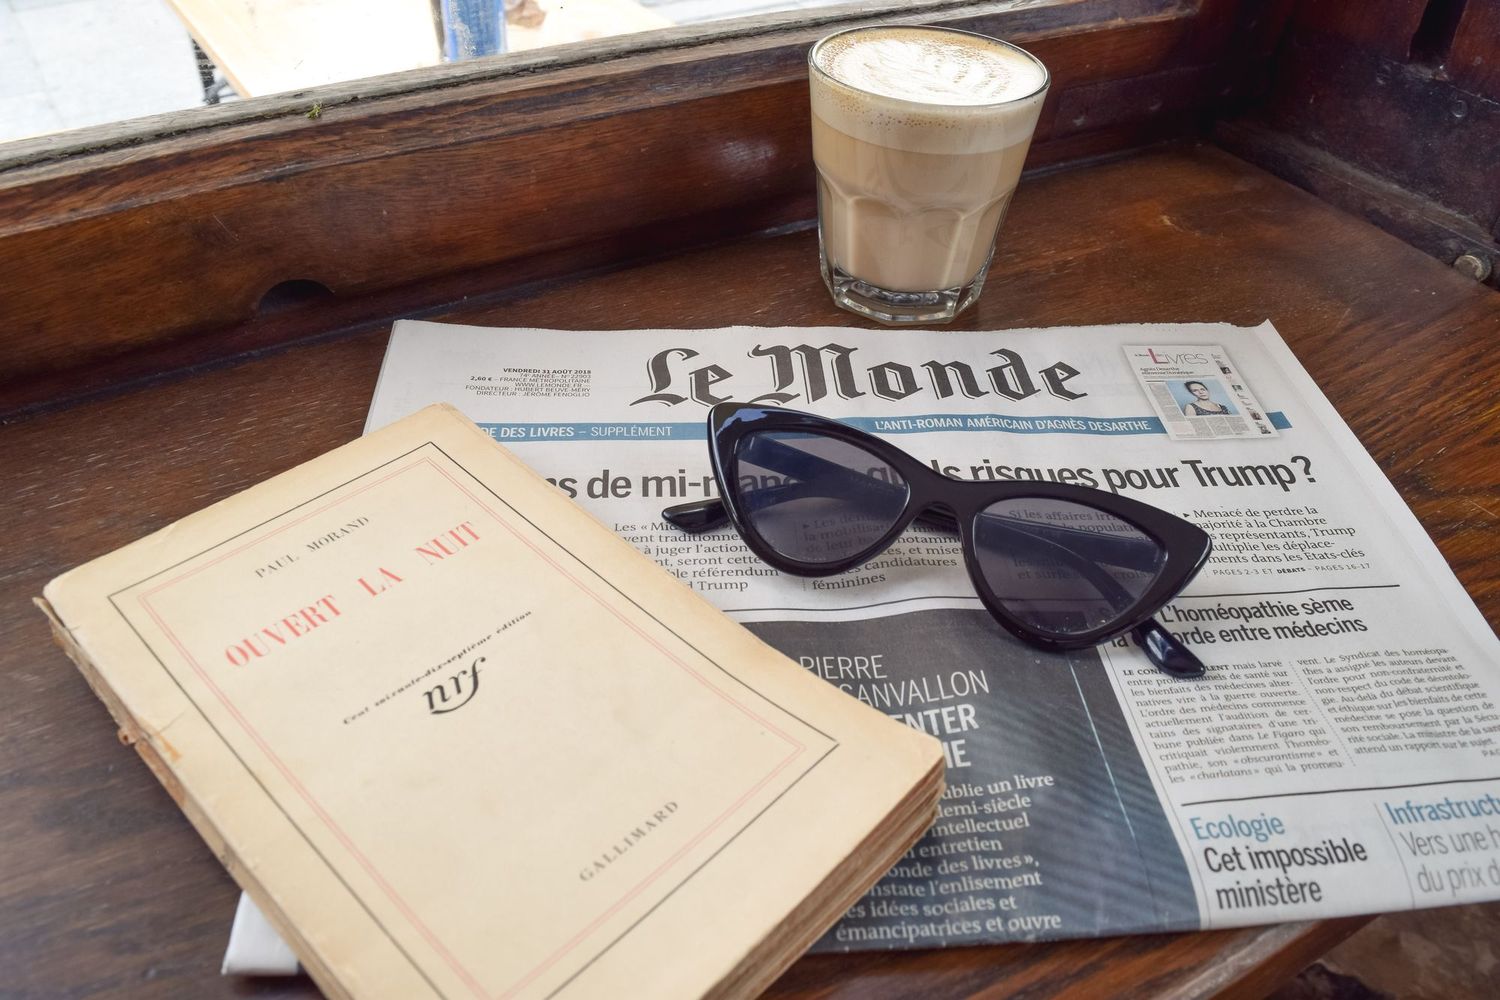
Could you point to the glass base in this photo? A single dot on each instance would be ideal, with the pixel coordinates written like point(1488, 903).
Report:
point(899, 308)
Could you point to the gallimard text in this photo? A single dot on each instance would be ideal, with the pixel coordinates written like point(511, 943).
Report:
point(632, 837)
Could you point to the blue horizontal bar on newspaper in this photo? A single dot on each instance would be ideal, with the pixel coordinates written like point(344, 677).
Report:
point(1048, 424)
point(925, 423)
point(695, 431)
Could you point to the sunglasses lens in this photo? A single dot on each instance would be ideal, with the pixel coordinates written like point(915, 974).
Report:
point(1063, 568)
point(816, 499)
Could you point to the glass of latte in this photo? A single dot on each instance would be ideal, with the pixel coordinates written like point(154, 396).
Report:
point(918, 136)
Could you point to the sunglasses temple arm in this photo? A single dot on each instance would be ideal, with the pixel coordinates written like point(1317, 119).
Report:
point(697, 516)
point(1163, 650)
point(803, 469)
point(806, 468)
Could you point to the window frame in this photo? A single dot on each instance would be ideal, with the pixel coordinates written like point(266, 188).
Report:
point(197, 236)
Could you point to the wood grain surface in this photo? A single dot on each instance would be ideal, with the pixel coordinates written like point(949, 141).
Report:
point(1389, 109)
point(106, 891)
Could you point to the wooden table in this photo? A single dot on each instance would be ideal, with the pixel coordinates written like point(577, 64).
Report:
point(106, 890)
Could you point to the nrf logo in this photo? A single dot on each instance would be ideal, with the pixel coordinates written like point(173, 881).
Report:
point(464, 686)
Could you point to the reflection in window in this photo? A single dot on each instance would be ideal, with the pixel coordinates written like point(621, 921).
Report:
point(68, 64)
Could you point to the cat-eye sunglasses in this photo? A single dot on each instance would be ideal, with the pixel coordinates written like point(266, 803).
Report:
point(1060, 566)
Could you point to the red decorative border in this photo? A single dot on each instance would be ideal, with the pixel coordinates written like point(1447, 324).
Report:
point(395, 897)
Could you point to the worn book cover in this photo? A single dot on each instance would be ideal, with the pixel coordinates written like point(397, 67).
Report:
point(457, 739)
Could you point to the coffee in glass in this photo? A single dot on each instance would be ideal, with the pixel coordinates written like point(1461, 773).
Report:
point(919, 135)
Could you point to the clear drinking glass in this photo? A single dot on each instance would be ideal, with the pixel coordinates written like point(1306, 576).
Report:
point(919, 134)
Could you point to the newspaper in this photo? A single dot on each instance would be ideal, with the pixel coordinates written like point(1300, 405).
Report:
point(1341, 756)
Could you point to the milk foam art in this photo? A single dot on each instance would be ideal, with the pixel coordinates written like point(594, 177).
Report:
point(928, 89)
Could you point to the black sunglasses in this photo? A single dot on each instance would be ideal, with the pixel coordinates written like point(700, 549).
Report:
point(1060, 566)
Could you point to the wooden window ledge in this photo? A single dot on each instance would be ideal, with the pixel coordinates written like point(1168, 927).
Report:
point(109, 891)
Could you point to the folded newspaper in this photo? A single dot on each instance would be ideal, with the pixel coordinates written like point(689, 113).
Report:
point(1341, 756)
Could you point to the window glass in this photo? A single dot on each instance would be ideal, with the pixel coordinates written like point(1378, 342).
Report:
point(67, 64)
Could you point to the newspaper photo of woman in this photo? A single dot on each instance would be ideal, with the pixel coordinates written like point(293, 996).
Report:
point(1202, 405)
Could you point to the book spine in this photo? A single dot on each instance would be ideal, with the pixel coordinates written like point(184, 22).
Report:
point(133, 734)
